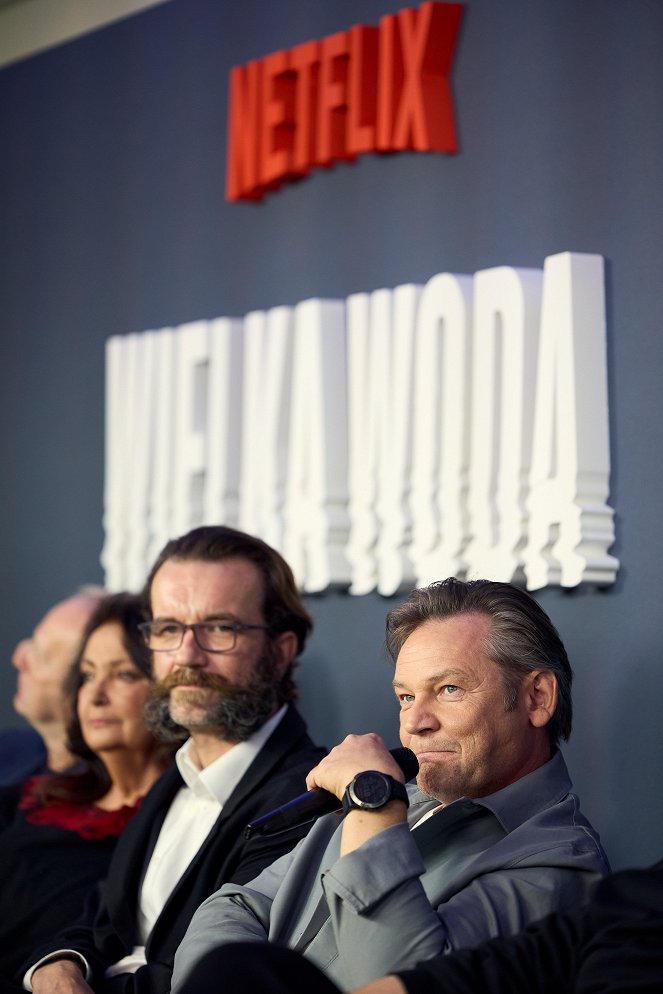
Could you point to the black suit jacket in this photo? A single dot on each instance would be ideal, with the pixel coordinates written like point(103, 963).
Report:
point(108, 930)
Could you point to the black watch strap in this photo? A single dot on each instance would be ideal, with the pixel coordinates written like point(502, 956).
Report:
point(371, 790)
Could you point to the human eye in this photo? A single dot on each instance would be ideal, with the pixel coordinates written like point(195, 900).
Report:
point(129, 675)
point(217, 627)
point(163, 628)
point(405, 699)
point(449, 690)
point(86, 676)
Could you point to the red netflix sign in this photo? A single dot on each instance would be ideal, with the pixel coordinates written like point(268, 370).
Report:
point(367, 89)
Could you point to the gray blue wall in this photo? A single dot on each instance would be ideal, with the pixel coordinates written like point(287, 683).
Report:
point(113, 220)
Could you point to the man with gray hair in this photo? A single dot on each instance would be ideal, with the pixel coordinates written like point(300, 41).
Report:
point(42, 661)
point(491, 837)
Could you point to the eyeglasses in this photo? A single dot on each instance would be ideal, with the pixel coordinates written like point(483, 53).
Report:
point(210, 636)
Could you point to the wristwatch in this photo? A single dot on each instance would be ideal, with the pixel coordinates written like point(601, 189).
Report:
point(370, 790)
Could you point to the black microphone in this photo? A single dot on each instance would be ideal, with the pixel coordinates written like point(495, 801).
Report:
point(317, 802)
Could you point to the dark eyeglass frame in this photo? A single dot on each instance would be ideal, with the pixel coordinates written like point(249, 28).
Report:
point(145, 628)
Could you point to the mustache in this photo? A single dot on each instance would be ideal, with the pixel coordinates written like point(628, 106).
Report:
point(191, 677)
point(236, 710)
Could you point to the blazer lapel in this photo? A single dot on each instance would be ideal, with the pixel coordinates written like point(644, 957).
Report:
point(284, 739)
point(134, 850)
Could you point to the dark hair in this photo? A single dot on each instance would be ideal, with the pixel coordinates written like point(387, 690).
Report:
point(282, 606)
point(522, 637)
point(89, 780)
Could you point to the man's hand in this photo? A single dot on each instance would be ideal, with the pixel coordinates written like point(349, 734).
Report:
point(62, 976)
point(385, 985)
point(355, 754)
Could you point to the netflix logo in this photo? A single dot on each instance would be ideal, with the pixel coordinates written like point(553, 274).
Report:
point(369, 88)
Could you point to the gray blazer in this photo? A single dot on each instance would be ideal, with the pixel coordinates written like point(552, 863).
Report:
point(474, 870)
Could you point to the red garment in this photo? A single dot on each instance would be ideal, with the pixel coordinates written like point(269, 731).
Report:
point(88, 820)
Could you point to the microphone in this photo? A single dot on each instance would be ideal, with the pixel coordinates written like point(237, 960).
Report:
point(317, 802)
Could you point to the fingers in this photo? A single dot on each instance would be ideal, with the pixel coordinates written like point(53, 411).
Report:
point(353, 755)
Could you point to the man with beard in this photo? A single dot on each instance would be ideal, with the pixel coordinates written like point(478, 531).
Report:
point(489, 840)
point(227, 625)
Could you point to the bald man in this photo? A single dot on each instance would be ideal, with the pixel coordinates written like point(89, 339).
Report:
point(42, 661)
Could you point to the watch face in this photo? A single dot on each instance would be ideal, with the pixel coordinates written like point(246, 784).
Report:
point(371, 788)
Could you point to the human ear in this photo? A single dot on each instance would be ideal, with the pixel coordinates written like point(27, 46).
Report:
point(541, 690)
point(285, 649)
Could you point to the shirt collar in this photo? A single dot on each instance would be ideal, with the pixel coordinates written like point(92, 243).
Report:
point(219, 779)
point(512, 805)
point(534, 792)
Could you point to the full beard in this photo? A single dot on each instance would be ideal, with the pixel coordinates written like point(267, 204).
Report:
point(232, 711)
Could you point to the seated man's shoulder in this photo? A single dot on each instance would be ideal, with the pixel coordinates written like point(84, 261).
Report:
point(22, 753)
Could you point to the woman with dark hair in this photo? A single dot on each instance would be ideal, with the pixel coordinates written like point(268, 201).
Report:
point(59, 830)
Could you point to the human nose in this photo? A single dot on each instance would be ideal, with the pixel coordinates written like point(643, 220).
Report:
point(99, 690)
point(18, 655)
point(419, 718)
point(189, 652)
